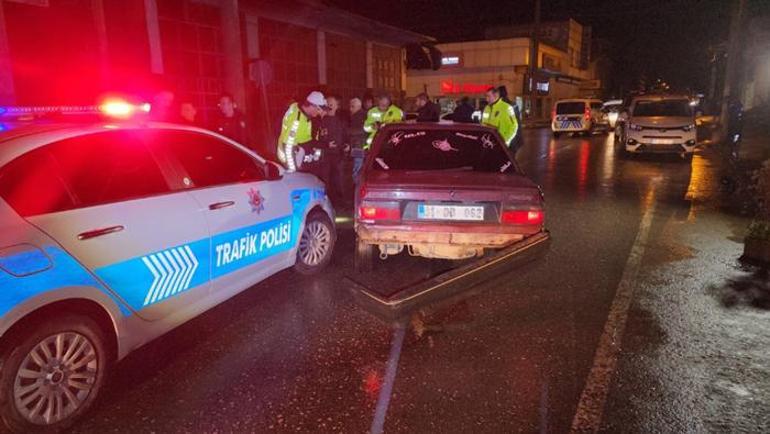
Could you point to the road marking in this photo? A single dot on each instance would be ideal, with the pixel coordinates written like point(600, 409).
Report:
point(383, 400)
point(590, 409)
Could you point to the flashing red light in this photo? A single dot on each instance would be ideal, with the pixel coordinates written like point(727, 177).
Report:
point(523, 217)
point(118, 108)
point(369, 212)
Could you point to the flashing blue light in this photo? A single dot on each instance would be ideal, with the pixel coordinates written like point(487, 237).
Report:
point(3, 110)
point(4, 127)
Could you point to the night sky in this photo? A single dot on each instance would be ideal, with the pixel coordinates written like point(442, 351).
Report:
point(665, 39)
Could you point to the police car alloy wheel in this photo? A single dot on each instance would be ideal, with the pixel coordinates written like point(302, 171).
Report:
point(316, 244)
point(52, 375)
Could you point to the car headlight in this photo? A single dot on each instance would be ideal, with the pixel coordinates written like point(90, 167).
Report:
point(688, 128)
point(635, 127)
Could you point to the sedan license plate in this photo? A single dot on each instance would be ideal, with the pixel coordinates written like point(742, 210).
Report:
point(450, 212)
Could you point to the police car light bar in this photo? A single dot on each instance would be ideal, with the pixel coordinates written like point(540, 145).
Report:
point(114, 108)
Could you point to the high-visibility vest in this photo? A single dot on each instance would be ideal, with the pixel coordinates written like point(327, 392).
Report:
point(375, 115)
point(501, 116)
point(296, 129)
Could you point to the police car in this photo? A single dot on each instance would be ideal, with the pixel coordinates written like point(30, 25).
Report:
point(112, 234)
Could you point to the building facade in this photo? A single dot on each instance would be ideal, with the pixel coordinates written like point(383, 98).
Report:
point(564, 68)
point(265, 53)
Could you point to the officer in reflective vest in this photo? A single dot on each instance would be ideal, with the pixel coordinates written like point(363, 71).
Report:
point(296, 128)
point(384, 113)
point(500, 115)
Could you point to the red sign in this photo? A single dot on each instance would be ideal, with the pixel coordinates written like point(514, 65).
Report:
point(452, 87)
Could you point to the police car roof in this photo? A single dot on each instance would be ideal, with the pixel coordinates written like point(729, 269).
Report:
point(18, 139)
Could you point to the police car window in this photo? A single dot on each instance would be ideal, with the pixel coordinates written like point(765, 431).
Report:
point(107, 167)
point(456, 150)
point(32, 185)
point(208, 160)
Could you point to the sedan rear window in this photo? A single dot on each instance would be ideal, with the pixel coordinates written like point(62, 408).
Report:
point(570, 108)
point(470, 150)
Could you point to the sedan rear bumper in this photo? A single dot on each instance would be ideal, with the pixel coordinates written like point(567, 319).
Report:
point(442, 242)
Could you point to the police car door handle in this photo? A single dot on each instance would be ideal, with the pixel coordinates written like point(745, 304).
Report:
point(220, 205)
point(99, 232)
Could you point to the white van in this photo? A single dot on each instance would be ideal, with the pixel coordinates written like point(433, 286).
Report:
point(582, 115)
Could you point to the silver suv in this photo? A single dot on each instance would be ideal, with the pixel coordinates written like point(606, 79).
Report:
point(658, 124)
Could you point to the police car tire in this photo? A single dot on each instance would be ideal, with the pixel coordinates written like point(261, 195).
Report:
point(364, 257)
point(300, 266)
point(17, 350)
point(556, 134)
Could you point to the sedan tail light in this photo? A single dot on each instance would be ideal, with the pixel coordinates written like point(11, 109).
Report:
point(587, 113)
point(379, 211)
point(523, 216)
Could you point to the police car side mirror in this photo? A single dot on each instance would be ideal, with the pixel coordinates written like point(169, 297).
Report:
point(272, 171)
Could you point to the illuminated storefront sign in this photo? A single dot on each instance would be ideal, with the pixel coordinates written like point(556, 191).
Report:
point(450, 60)
point(453, 87)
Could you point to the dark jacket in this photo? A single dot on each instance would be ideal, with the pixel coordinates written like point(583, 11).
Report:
point(463, 113)
point(356, 133)
point(332, 133)
point(428, 113)
point(233, 127)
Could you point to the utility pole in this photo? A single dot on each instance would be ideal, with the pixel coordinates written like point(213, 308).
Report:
point(734, 59)
point(533, 55)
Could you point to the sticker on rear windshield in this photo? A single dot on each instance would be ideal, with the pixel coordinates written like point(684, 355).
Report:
point(466, 136)
point(444, 145)
point(486, 141)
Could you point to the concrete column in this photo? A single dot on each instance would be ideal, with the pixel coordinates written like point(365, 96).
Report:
point(6, 74)
point(153, 36)
point(97, 10)
point(321, 44)
point(235, 82)
point(369, 65)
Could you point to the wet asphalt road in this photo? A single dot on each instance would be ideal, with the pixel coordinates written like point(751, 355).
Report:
point(299, 354)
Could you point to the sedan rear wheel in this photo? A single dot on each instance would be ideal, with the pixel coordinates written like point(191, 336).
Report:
point(364, 258)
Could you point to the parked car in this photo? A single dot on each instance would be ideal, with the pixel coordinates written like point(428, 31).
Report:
point(658, 124)
point(578, 116)
point(612, 109)
point(447, 191)
point(113, 234)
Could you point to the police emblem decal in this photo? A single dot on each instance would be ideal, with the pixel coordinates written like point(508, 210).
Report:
point(256, 200)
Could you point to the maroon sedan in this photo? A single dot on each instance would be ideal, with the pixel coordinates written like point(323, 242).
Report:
point(442, 191)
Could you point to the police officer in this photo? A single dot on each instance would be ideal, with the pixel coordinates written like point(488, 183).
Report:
point(501, 116)
point(384, 113)
point(297, 129)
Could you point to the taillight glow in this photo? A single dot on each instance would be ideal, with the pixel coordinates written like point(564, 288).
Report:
point(523, 217)
point(553, 113)
point(369, 212)
point(587, 113)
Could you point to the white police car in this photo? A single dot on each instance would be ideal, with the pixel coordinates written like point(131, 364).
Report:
point(111, 235)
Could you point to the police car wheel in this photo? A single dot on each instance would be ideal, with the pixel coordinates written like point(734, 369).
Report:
point(364, 258)
point(316, 244)
point(556, 134)
point(52, 375)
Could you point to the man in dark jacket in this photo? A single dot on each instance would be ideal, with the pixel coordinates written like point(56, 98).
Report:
point(230, 122)
point(463, 112)
point(356, 136)
point(427, 110)
point(333, 136)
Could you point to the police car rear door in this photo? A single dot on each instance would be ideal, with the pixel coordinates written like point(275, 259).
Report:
point(249, 217)
point(119, 217)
